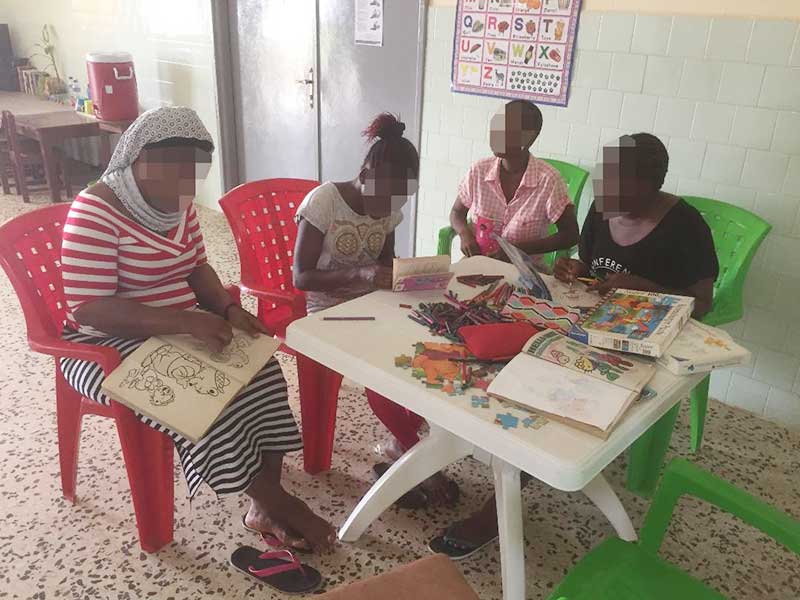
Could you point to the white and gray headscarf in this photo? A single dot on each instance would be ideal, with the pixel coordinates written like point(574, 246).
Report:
point(152, 126)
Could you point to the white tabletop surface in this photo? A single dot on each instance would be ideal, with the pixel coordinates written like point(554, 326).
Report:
point(364, 351)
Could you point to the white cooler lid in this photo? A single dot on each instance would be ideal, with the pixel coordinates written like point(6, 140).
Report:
point(109, 57)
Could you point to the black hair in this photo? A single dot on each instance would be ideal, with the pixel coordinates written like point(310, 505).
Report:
point(532, 119)
point(650, 156)
point(176, 142)
point(390, 146)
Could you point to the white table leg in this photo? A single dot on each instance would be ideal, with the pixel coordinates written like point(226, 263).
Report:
point(509, 525)
point(601, 493)
point(427, 457)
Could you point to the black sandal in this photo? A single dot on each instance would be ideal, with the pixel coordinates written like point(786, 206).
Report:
point(278, 569)
point(418, 497)
point(455, 547)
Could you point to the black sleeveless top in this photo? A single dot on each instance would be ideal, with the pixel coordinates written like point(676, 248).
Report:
point(678, 253)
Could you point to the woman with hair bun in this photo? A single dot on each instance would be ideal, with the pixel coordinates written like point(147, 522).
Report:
point(345, 249)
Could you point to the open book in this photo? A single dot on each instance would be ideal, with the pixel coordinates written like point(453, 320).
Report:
point(423, 273)
point(573, 383)
point(633, 321)
point(178, 382)
point(701, 348)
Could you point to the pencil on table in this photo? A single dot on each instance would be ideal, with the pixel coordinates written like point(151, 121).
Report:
point(348, 318)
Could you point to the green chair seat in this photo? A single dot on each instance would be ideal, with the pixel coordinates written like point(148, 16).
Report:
point(619, 570)
point(574, 176)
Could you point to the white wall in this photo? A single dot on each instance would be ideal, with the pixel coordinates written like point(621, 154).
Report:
point(723, 93)
point(171, 42)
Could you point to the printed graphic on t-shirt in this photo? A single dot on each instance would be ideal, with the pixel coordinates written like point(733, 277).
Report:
point(604, 266)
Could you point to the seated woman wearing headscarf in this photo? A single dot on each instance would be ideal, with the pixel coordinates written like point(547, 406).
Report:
point(134, 265)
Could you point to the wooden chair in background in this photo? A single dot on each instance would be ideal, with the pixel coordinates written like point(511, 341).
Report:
point(18, 154)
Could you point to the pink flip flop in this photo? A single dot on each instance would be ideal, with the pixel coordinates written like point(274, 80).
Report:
point(278, 569)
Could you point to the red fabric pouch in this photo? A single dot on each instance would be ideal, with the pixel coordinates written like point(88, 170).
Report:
point(497, 341)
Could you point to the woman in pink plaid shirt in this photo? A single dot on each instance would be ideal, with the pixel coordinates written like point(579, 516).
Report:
point(514, 194)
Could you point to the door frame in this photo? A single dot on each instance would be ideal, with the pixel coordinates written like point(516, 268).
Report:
point(228, 146)
point(422, 33)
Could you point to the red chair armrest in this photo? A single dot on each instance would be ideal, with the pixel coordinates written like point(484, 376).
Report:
point(107, 358)
point(295, 301)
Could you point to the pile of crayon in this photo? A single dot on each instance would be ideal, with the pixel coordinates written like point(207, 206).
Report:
point(495, 296)
point(445, 318)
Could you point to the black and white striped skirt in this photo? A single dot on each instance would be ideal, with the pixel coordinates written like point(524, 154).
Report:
point(227, 458)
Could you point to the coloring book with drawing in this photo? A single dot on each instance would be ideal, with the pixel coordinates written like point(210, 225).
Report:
point(574, 383)
point(701, 348)
point(422, 273)
point(177, 381)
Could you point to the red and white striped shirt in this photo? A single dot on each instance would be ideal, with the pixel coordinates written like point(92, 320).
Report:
point(104, 254)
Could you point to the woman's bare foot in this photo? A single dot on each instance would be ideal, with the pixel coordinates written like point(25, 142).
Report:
point(292, 522)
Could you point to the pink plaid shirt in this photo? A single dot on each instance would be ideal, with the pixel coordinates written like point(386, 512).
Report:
point(538, 202)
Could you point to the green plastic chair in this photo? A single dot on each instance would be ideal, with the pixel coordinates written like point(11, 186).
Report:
point(574, 176)
point(737, 235)
point(619, 570)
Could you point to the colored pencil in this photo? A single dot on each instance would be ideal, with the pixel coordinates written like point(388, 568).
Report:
point(588, 280)
point(348, 318)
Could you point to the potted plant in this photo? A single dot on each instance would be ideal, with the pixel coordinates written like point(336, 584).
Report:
point(52, 84)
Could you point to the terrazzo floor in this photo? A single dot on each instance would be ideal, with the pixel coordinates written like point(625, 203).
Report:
point(52, 549)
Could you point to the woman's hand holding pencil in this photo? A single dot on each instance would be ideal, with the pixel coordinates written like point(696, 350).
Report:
point(570, 271)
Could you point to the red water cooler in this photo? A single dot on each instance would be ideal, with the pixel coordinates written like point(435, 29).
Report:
point(112, 83)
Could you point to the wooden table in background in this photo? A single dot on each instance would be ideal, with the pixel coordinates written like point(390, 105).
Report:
point(50, 124)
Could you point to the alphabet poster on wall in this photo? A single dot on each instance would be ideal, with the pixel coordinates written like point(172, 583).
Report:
point(515, 48)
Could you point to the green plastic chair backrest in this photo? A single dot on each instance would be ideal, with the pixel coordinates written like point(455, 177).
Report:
point(574, 176)
point(683, 478)
point(737, 235)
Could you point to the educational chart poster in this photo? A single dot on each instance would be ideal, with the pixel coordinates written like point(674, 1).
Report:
point(515, 48)
point(369, 22)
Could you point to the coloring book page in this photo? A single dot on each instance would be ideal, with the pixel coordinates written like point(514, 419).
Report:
point(178, 382)
point(560, 392)
point(241, 359)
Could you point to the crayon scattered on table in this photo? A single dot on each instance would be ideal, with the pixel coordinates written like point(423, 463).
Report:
point(406, 306)
point(348, 318)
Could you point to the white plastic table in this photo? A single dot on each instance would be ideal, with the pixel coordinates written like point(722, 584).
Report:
point(561, 456)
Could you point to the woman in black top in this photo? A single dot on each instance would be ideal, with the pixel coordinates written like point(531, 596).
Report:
point(636, 237)
point(639, 237)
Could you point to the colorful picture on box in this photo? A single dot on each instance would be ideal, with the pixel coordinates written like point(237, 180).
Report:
point(636, 317)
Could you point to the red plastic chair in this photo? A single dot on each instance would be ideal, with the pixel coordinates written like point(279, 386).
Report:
point(261, 216)
point(30, 254)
